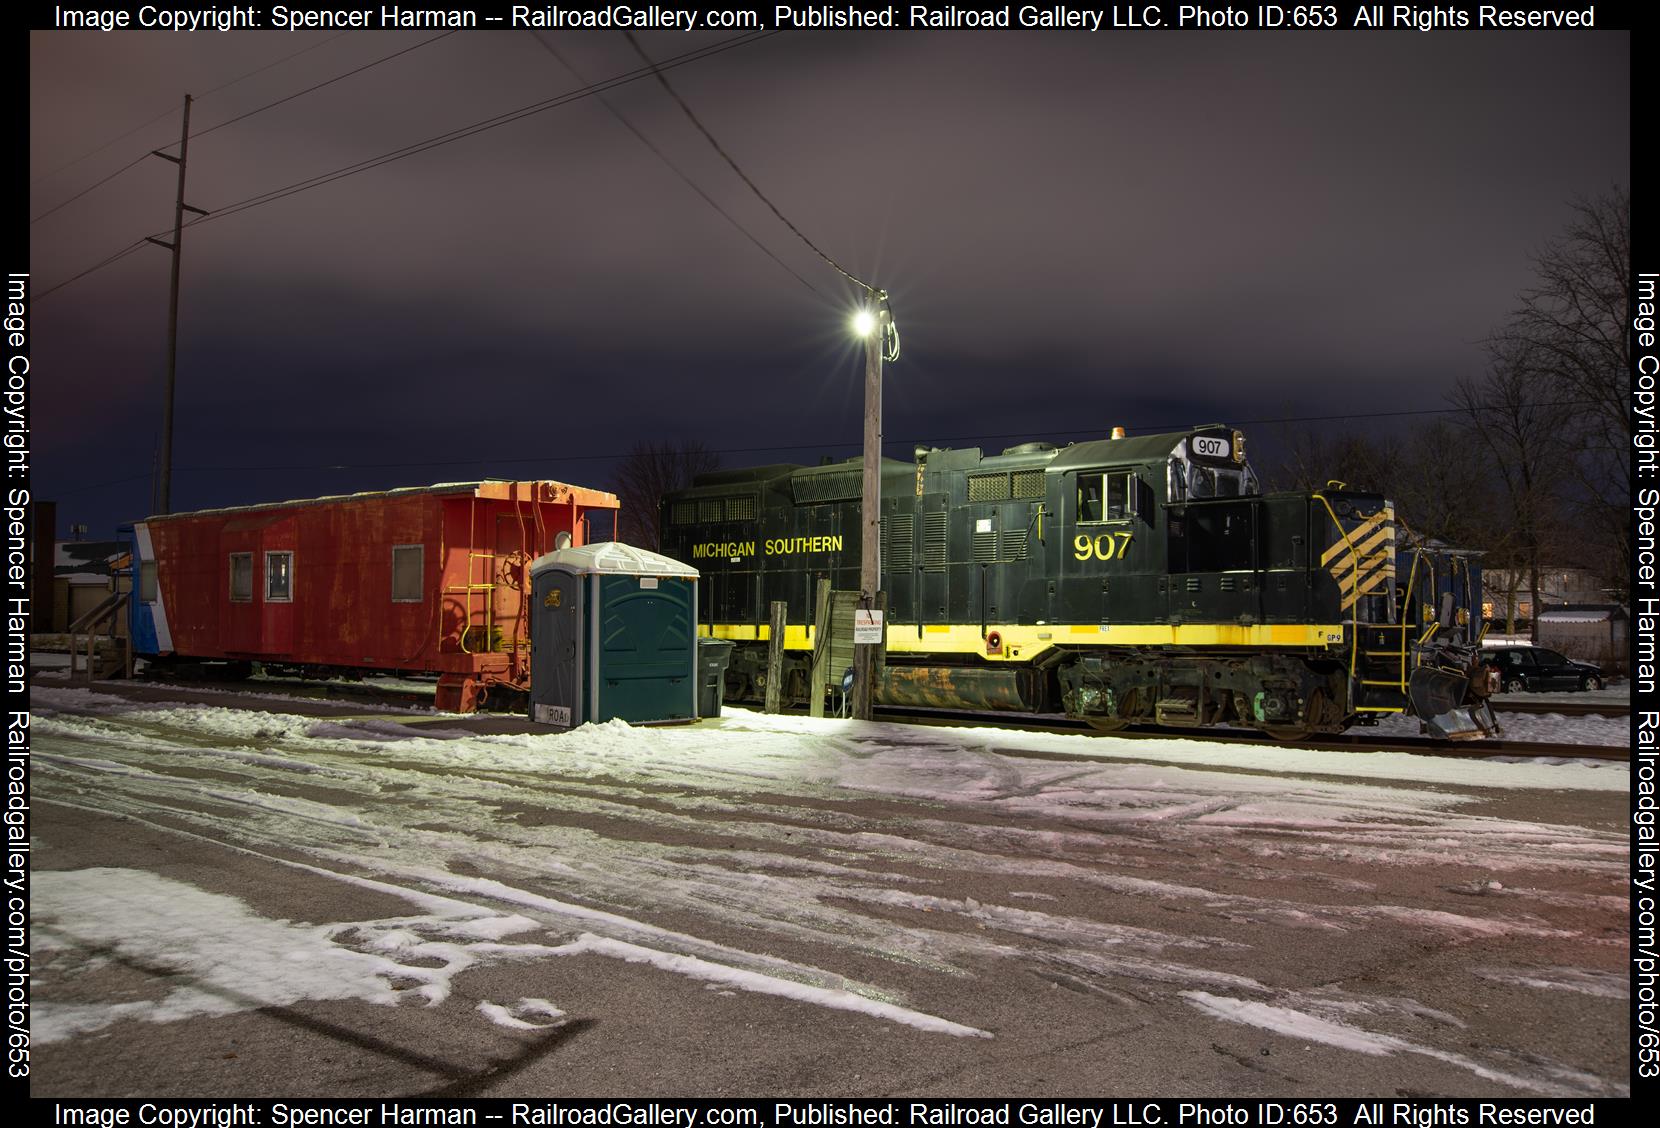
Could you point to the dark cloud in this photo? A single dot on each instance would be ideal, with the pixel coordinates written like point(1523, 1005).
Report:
point(1077, 231)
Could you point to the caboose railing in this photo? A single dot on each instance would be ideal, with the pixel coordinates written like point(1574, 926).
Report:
point(102, 616)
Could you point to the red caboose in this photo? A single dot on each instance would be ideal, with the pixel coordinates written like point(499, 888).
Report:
point(431, 578)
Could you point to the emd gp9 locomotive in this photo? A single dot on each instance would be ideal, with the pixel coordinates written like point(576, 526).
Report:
point(1126, 580)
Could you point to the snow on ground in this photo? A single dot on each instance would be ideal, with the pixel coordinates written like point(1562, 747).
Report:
point(750, 825)
point(228, 958)
point(1541, 728)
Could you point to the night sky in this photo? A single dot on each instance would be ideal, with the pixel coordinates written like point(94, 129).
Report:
point(1076, 230)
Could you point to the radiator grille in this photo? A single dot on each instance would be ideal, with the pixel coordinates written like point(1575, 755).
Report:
point(933, 542)
point(1028, 483)
point(683, 513)
point(741, 508)
point(988, 487)
point(1014, 544)
point(843, 485)
point(897, 552)
point(985, 547)
point(710, 509)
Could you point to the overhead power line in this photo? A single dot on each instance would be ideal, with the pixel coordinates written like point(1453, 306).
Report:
point(242, 117)
point(320, 85)
point(430, 143)
point(1140, 428)
point(476, 128)
point(134, 163)
point(660, 155)
point(169, 111)
point(657, 70)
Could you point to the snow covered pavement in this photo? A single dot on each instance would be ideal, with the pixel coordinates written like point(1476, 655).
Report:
point(784, 905)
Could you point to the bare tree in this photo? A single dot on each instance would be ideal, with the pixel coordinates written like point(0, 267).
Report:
point(1437, 475)
point(1443, 489)
point(652, 469)
point(1571, 331)
point(1316, 456)
point(1509, 415)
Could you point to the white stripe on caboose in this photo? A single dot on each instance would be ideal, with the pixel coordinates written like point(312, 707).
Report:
point(164, 636)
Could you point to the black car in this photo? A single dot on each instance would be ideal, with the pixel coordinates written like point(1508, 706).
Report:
point(1533, 668)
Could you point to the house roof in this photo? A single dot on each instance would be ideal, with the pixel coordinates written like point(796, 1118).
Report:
point(86, 562)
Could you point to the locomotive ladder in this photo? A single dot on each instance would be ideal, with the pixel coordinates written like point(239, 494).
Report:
point(1362, 561)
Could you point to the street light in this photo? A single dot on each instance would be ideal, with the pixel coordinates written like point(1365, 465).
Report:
point(875, 324)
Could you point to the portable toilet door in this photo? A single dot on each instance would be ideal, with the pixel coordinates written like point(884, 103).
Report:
point(557, 653)
point(644, 648)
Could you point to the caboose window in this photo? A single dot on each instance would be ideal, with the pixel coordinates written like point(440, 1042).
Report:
point(242, 577)
point(147, 581)
point(279, 577)
point(408, 561)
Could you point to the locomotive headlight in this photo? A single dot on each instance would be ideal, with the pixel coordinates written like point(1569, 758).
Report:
point(1238, 447)
point(864, 322)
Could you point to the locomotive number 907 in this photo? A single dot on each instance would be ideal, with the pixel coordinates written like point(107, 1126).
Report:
point(1104, 546)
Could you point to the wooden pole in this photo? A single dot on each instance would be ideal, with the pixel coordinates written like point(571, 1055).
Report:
point(870, 547)
point(822, 636)
point(164, 486)
point(775, 658)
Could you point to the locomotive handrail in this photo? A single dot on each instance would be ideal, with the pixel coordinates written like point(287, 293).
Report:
point(1354, 556)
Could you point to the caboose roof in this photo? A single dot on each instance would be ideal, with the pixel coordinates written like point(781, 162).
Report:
point(494, 488)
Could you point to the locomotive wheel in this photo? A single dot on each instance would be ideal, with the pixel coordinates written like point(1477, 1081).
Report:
point(1108, 724)
point(1315, 716)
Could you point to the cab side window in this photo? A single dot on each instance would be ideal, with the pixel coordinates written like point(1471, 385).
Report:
point(1109, 496)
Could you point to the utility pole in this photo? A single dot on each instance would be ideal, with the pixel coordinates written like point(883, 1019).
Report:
point(870, 544)
point(164, 484)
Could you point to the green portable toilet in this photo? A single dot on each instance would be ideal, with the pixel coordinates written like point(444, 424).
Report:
point(613, 633)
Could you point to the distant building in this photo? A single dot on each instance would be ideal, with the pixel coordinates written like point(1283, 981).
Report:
point(1591, 633)
point(83, 575)
point(1505, 594)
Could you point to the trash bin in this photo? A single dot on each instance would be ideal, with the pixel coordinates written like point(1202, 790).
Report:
point(713, 656)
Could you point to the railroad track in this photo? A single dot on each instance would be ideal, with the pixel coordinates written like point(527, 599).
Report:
point(1519, 703)
point(260, 686)
point(1351, 741)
